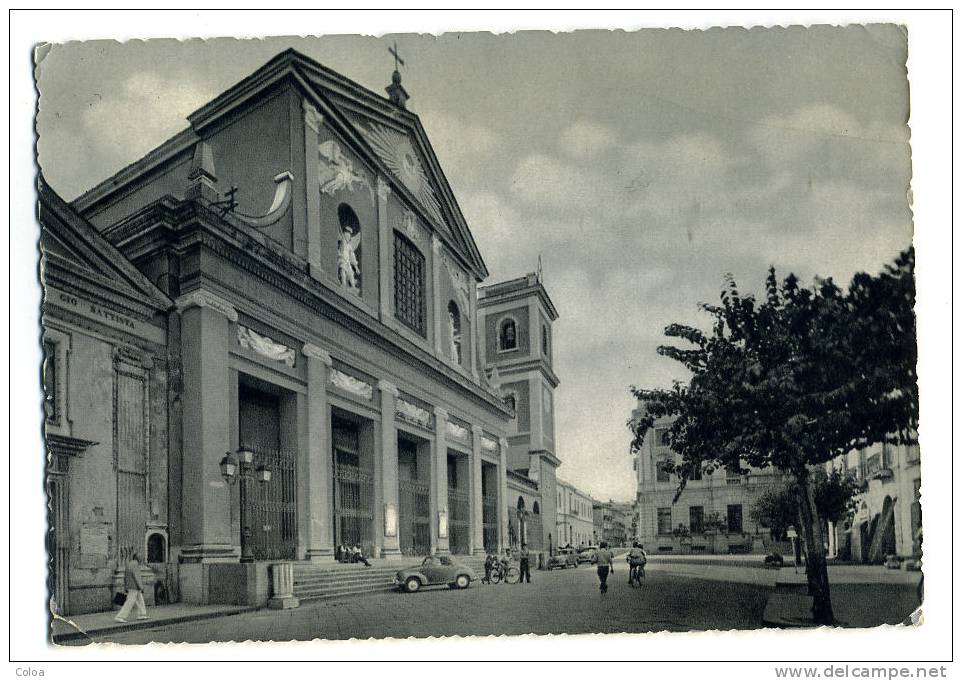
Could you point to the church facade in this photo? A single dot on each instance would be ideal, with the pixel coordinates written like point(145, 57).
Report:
point(321, 376)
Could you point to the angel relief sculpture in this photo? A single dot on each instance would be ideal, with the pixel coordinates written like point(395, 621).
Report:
point(335, 171)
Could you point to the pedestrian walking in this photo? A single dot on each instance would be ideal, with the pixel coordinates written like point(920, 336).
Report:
point(606, 564)
point(525, 559)
point(135, 591)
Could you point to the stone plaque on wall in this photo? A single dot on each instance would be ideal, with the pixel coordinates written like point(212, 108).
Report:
point(94, 544)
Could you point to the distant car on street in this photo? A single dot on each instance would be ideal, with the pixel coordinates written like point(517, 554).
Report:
point(587, 555)
point(434, 571)
point(564, 558)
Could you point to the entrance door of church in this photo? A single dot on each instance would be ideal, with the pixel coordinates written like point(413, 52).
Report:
point(415, 499)
point(353, 488)
point(270, 507)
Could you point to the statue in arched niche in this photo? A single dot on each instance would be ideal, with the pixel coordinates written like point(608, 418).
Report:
point(348, 245)
point(454, 331)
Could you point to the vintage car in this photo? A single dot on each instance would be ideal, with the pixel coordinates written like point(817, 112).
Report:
point(433, 571)
point(587, 555)
point(563, 558)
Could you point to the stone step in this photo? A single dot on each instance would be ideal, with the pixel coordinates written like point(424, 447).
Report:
point(319, 583)
point(320, 595)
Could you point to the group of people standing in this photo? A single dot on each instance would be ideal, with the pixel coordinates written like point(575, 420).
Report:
point(492, 561)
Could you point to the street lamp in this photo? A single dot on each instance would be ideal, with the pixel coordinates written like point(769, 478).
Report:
point(242, 463)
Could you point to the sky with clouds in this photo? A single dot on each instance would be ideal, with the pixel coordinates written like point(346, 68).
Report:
point(642, 166)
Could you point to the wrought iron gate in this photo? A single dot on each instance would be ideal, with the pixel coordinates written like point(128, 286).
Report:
point(415, 517)
point(273, 506)
point(353, 493)
point(459, 521)
point(489, 511)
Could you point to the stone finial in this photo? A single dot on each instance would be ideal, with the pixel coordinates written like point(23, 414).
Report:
point(396, 92)
point(202, 176)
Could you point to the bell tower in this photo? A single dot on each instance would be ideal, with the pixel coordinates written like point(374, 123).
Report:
point(517, 353)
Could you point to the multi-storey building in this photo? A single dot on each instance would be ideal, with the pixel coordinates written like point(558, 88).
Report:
point(712, 514)
point(889, 514)
point(612, 522)
point(575, 516)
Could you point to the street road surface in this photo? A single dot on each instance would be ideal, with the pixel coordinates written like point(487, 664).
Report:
point(561, 601)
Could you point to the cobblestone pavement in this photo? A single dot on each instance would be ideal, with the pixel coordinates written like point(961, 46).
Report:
point(562, 601)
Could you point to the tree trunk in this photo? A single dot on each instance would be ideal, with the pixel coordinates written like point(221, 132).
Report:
point(816, 569)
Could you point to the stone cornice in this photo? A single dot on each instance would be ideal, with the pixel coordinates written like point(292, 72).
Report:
point(441, 413)
point(315, 352)
point(202, 298)
point(477, 430)
point(198, 226)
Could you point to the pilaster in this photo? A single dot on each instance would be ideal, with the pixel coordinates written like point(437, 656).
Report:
point(385, 249)
point(312, 126)
point(315, 496)
point(388, 521)
point(503, 494)
point(477, 512)
point(206, 496)
point(440, 309)
point(439, 481)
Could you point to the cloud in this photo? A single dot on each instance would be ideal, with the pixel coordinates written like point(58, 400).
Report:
point(145, 110)
point(584, 139)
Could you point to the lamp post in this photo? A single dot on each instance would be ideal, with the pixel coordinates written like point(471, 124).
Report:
point(241, 465)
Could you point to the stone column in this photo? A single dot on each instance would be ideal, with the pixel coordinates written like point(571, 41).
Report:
point(439, 479)
point(503, 494)
point(440, 309)
point(205, 502)
point(312, 126)
point(477, 512)
point(385, 249)
point(316, 479)
point(388, 521)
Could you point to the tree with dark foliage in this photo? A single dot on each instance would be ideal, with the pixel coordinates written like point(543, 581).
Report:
point(793, 381)
point(835, 498)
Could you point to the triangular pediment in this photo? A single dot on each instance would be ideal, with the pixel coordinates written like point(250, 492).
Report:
point(74, 251)
point(399, 144)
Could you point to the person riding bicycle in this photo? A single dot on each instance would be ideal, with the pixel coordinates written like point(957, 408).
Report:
point(637, 558)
